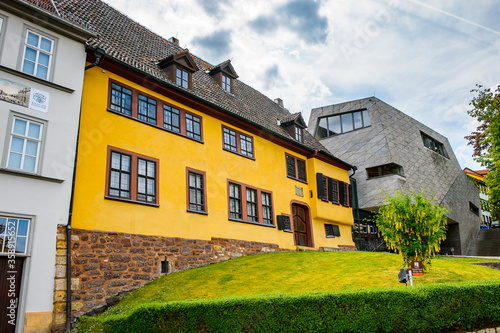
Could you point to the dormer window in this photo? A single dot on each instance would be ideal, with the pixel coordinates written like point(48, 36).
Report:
point(180, 68)
point(226, 83)
point(294, 125)
point(224, 74)
point(182, 78)
point(298, 134)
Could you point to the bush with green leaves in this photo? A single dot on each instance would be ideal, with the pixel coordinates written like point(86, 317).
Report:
point(412, 225)
point(434, 308)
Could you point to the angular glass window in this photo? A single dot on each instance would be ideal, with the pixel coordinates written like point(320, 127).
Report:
point(358, 120)
point(383, 170)
point(347, 124)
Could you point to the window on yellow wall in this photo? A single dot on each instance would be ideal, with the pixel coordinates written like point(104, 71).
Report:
point(250, 204)
point(237, 142)
point(332, 230)
point(296, 168)
point(132, 103)
point(131, 177)
point(196, 191)
point(328, 188)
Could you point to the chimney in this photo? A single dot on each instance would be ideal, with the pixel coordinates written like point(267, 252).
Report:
point(173, 40)
point(278, 101)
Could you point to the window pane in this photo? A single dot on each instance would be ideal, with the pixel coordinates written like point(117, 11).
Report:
point(30, 55)
point(142, 167)
point(17, 145)
point(43, 59)
point(151, 186)
point(366, 119)
point(290, 166)
point(347, 122)
point(32, 39)
point(29, 163)
point(3, 225)
point(31, 148)
point(46, 45)
point(125, 182)
point(358, 122)
point(21, 245)
point(19, 127)
point(115, 160)
point(28, 67)
point(14, 161)
point(114, 179)
point(125, 163)
point(334, 125)
point(151, 169)
point(34, 131)
point(322, 130)
point(41, 72)
point(141, 185)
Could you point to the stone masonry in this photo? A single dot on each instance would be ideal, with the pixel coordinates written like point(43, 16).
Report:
point(107, 265)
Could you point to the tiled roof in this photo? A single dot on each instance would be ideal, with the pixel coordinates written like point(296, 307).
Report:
point(47, 5)
point(133, 44)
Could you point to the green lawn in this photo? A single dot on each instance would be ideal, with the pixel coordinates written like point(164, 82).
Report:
point(293, 272)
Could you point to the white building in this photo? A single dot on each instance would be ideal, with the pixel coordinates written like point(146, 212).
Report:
point(42, 60)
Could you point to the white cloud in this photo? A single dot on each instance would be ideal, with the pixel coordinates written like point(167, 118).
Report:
point(421, 56)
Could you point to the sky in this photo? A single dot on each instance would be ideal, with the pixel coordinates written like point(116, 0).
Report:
point(423, 57)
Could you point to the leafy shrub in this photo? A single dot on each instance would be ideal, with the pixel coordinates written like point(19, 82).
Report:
point(435, 308)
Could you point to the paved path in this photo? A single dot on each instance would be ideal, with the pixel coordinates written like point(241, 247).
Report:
point(487, 243)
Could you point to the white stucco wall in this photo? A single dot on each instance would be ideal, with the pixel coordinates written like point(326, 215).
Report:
point(45, 195)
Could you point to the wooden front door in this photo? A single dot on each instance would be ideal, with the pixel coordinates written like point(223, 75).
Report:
point(11, 272)
point(300, 231)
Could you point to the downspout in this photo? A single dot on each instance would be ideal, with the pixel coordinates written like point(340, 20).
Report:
point(99, 55)
point(356, 206)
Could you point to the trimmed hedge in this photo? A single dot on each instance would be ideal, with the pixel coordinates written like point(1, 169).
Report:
point(436, 308)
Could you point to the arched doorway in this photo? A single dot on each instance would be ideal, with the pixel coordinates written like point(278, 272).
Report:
point(300, 225)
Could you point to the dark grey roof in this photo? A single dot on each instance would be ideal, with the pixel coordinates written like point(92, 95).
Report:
point(133, 44)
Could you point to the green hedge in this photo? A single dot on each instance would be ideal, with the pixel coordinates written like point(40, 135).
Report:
point(436, 308)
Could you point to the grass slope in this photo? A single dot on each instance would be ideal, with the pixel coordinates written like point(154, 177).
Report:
point(293, 272)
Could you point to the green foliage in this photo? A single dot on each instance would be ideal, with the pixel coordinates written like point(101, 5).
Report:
point(414, 226)
point(435, 308)
point(486, 139)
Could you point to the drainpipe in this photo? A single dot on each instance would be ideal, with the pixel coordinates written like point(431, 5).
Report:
point(99, 55)
point(356, 206)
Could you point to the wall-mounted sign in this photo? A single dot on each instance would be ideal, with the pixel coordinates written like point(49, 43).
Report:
point(417, 268)
point(22, 95)
point(299, 191)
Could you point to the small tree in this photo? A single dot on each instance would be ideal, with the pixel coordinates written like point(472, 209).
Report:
point(411, 224)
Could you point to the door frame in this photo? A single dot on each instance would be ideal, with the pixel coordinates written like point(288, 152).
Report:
point(310, 238)
point(21, 310)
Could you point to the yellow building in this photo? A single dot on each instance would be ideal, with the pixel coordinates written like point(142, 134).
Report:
point(181, 164)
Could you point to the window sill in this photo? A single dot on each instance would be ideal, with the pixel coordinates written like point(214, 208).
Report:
point(389, 175)
point(21, 173)
point(239, 154)
point(36, 79)
point(299, 180)
point(196, 212)
point(131, 201)
point(154, 125)
point(253, 223)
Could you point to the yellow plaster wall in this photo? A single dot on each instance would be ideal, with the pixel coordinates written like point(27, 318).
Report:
point(100, 128)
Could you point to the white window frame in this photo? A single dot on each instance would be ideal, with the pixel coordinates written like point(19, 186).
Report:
point(10, 232)
point(38, 50)
point(40, 141)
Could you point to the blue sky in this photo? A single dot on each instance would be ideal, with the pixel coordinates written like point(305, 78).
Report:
point(421, 56)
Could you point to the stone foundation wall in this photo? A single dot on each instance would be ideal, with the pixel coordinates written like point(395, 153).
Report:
point(107, 265)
